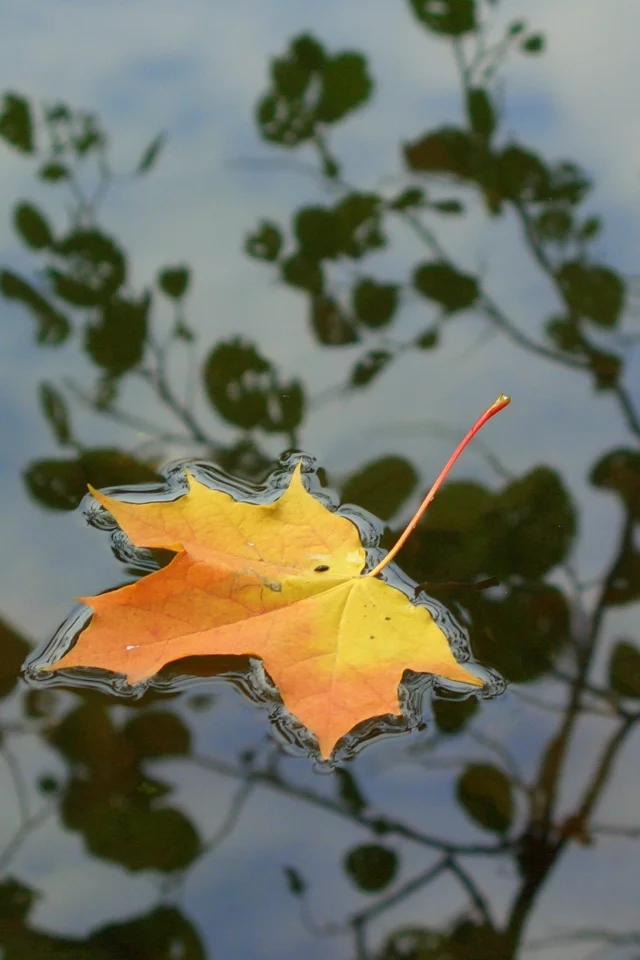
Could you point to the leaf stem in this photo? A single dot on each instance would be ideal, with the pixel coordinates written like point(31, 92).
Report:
point(491, 411)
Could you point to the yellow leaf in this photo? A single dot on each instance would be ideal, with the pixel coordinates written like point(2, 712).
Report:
point(281, 581)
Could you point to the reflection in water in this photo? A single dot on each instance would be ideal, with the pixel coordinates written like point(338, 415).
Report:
point(401, 870)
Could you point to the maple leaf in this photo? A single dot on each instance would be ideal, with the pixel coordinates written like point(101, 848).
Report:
point(281, 581)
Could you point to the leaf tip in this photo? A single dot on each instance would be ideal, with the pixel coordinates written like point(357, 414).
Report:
point(503, 401)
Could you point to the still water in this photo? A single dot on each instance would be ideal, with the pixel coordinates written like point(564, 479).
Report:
point(232, 232)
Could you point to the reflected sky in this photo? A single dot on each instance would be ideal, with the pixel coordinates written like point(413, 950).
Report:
point(196, 72)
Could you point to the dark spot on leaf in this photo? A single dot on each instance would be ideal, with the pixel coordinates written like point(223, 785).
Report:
point(321, 568)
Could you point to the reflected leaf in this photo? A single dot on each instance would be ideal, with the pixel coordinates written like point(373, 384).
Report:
point(521, 635)
point(32, 226)
point(117, 341)
point(606, 368)
point(158, 733)
point(55, 410)
point(242, 386)
point(482, 118)
point(619, 470)
point(371, 866)
point(329, 323)
point(448, 207)
point(96, 268)
point(415, 943)
point(110, 800)
point(410, 198)
point(61, 484)
point(485, 794)
point(349, 791)
point(359, 215)
point(448, 150)
point(16, 124)
point(346, 85)
point(623, 585)
point(303, 272)
point(368, 367)
point(121, 830)
point(428, 340)
point(15, 648)
point(174, 281)
point(319, 233)
point(533, 44)
point(565, 333)
point(161, 934)
point(447, 286)
point(523, 175)
point(594, 292)
point(310, 88)
point(151, 154)
point(525, 530)
point(381, 486)
point(452, 716)
point(374, 304)
point(554, 224)
point(624, 669)
point(54, 328)
point(534, 524)
point(295, 881)
point(449, 17)
point(265, 243)
point(53, 172)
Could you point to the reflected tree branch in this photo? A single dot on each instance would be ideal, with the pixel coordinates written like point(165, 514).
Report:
point(378, 825)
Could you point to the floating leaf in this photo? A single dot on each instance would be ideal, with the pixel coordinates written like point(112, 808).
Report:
point(282, 581)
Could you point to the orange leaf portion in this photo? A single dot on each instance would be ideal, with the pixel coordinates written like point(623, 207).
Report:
point(279, 581)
